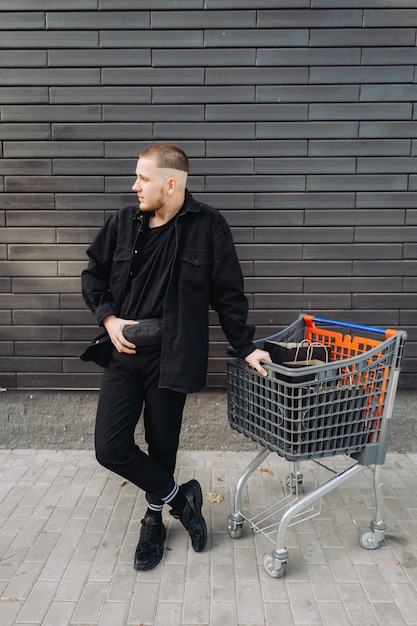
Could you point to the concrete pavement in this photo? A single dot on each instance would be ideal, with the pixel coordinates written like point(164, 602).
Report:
point(68, 530)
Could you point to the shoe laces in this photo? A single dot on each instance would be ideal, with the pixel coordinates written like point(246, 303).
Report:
point(150, 531)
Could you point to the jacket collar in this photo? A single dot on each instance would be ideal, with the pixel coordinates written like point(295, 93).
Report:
point(190, 204)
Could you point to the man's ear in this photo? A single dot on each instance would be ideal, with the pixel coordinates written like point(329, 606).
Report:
point(171, 185)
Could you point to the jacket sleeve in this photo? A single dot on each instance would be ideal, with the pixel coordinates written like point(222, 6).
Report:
point(227, 295)
point(95, 279)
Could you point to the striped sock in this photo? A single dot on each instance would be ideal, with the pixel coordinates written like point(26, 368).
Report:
point(176, 498)
point(154, 510)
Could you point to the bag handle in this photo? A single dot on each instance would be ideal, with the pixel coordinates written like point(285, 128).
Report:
point(310, 348)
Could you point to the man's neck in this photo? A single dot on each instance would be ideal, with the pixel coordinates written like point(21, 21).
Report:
point(164, 215)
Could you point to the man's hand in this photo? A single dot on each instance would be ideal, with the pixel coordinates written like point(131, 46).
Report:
point(254, 360)
point(114, 326)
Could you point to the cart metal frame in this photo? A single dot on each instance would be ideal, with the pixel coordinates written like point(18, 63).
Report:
point(343, 407)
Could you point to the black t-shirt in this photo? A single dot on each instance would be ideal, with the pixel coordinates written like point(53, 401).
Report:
point(150, 272)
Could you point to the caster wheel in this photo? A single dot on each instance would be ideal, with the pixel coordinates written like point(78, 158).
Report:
point(270, 567)
point(235, 529)
point(367, 540)
point(293, 483)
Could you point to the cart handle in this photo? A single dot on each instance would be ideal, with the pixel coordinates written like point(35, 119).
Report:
point(388, 332)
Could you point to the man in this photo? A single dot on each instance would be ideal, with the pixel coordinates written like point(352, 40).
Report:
point(153, 273)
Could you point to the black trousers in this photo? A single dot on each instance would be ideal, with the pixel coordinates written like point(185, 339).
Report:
point(130, 383)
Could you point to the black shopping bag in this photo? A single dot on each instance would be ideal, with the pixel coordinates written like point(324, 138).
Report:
point(298, 354)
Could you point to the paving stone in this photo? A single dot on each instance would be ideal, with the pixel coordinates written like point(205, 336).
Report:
point(57, 562)
point(91, 602)
point(196, 603)
point(333, 613)
point(114, 614)
point(73, 582)
point(249, 602)
point(323, 584)
point(223, 613)
point(37, 602)
point(222, 583)
point(144, 602)
point(168, 614)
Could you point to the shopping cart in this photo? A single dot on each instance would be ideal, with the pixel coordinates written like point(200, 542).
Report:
point(342, 407)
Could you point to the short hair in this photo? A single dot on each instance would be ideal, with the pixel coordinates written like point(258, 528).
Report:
point(167, 155)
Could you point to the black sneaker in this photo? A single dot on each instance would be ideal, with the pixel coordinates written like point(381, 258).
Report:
point(191, 516)
point(150, 548)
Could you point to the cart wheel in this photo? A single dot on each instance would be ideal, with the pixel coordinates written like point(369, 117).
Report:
point(269, 565)
point(367, 539)
point(235, 529)
point(293, 482)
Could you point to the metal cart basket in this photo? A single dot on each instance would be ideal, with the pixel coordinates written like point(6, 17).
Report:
point(341, 407)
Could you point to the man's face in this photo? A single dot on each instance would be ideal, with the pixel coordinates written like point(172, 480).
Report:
point(150, 185)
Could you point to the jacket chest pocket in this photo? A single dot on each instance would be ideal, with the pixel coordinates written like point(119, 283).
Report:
point(120, 264)
point(195, 267)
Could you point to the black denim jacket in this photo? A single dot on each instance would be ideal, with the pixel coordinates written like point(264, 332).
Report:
point(205, 272)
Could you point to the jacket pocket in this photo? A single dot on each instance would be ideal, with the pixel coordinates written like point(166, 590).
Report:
point(195, 267)
point(121, 254)
point(120, 266)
